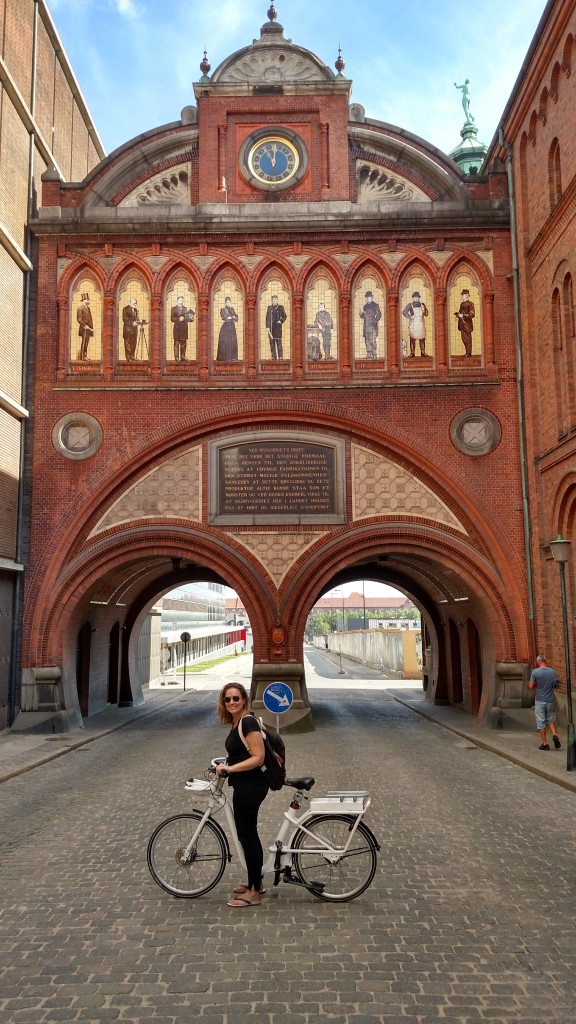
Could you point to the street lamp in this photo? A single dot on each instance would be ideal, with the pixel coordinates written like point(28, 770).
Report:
point(561, 552)
point(337, 591)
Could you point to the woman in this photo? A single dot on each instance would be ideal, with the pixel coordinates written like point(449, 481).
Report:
point(227, 339)
point(249, 784)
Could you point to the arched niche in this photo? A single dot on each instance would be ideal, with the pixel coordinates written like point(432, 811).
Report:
point(369, 315)
point(322, 320)
point(85, 342)
point(228, 319)
point(274, 318)
point(133, 319)
point(180, 319)
point(416, 317)
point(464, 307)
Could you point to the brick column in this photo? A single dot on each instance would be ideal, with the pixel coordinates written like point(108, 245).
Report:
point(251, 340)
point(346, 335)
point(204, 352)
point(108, 323)
point(488, 329)
point(155, 336)
point(324, 164)
point(298, 342)
point(64, 334)
point(393, 338)
point(440, 329)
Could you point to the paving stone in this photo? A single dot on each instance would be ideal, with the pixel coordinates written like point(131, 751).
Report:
point(449, 930)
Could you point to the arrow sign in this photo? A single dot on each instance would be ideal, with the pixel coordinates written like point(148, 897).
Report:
point(278, 697)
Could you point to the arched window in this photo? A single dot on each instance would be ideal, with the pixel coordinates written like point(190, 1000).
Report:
point(561, 396)
point(554, 175)
point(321, 318)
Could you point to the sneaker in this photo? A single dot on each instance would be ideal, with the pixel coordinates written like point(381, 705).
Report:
point(543, 746)
point(557, 743)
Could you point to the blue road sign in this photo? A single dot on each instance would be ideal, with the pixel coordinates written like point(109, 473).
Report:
point(278, 697)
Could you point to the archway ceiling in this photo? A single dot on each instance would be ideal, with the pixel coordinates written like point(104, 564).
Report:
point(412, 574)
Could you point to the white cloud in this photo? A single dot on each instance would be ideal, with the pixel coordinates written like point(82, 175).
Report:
point(127, 7)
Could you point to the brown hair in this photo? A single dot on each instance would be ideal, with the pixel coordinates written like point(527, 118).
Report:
point(223, 713)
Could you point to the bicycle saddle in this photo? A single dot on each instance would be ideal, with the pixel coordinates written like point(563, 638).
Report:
point(306, 783)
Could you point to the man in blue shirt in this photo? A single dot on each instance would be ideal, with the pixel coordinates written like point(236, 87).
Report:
point(544, 680)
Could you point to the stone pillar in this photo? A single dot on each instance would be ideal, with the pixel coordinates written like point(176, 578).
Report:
point(156, 338)
point(64, 333)
point(109, 307)
point(345, 341)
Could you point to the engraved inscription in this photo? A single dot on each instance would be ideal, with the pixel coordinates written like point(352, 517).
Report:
point(276, 478)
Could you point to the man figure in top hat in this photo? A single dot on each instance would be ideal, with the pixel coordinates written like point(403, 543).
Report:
point(181, 317)
point(275, 317)
point(415, 312)
point(371, 314)
point(130, 321)
point(466, 314)
point(85, 326)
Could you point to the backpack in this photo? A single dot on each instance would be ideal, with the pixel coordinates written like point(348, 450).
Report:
point(274, 755)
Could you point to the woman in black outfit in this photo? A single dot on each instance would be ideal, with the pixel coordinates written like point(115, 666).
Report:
point(249, 784)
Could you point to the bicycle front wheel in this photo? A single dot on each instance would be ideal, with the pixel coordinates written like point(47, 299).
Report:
point(195, 874)
point(345, 876)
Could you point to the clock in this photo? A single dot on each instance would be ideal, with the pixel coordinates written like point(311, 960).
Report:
point(273, 159)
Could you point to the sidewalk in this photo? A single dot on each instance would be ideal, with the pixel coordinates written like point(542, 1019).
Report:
point(20, 752)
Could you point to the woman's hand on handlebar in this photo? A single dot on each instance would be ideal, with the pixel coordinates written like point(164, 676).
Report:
point(222, 769)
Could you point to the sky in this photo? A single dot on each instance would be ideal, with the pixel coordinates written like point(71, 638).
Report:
point(136, 60)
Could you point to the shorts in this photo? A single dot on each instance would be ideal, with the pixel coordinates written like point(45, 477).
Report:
point(545, 712)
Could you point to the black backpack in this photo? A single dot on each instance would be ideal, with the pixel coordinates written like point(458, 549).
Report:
point(274, 754)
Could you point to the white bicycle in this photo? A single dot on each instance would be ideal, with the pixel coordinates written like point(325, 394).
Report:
point(327, 848)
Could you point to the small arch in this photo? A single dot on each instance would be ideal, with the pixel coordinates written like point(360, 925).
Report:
point(554, 175)
point(555, 82)
point(532, 127)
point(558, 356)
point(567, 55)
point(543, 106)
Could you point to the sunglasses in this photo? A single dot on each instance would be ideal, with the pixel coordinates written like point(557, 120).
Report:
point(228, 700)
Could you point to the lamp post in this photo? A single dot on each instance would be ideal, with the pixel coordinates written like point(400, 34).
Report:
point(561, 552)
point(338, 591)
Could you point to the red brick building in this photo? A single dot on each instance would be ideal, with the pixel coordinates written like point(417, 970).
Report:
point(537, 144)
point(298, 370)
point(44, 122)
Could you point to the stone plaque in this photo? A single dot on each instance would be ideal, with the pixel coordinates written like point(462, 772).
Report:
point(277, 479)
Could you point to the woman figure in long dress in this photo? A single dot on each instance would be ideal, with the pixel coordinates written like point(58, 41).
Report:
point(227, 339)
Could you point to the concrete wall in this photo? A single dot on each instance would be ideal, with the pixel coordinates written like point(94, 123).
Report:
point(397, 653)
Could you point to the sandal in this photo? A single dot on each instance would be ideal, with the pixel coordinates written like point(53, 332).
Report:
point(543, 746)
point(242, 904)
point(244, 888)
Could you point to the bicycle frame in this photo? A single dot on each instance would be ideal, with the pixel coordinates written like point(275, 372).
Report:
point(351, 806)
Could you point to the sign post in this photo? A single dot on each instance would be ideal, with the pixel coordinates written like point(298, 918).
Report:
point(185, 638)
point(278, 698)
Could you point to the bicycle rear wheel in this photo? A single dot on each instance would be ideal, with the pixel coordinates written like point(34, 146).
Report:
point(344, 877)
point(204, 867)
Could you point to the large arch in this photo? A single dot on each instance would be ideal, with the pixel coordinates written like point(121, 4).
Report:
point(448, 553)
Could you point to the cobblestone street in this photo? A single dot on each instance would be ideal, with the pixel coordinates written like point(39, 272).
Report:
point(470, 916)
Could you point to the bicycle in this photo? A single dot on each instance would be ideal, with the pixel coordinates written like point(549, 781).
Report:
point(327, 848)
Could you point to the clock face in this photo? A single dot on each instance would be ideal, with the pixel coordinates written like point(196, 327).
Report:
point(273, 161)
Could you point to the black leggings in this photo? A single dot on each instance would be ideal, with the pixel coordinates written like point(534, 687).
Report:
point(246, 801)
